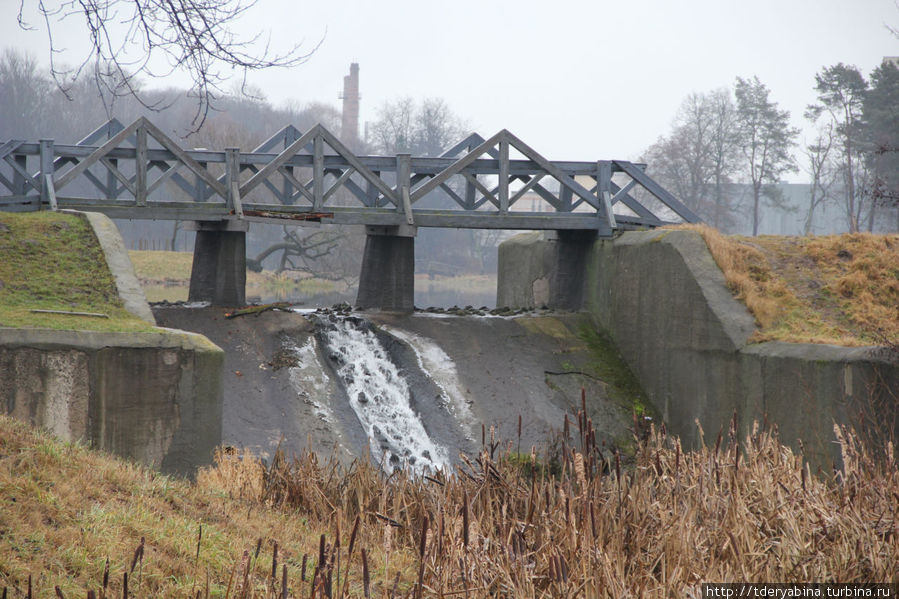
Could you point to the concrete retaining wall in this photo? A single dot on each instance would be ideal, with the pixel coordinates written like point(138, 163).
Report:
point(152, 397)
point(663, 300)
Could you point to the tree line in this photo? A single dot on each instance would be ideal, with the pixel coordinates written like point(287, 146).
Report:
point(32, 106)
point(729, 148)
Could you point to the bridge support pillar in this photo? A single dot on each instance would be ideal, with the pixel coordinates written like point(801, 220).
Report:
point(568, 275)
point(387, 279)
point(219, 274)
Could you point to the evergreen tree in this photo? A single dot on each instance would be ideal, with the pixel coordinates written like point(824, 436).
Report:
point(880, 112)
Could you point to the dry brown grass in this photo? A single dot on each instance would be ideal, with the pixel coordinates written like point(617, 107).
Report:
point(840, 289)
point(659, 526)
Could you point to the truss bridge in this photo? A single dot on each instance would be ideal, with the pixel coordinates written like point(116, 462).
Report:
point(140, 172)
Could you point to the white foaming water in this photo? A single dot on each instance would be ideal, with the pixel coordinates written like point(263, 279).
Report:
point(380, 397)
point(441, 369)
point(308, 376)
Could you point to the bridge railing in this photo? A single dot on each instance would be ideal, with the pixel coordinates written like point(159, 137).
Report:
point(140, 172)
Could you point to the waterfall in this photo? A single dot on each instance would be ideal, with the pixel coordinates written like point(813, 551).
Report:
point(380, 397)
point(442, 370)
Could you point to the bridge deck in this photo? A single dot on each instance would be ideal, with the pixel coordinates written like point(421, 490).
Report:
point(138, 172)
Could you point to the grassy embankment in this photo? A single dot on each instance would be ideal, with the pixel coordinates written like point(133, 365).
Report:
point(52, 261)
point(840, 289)
point(660, 528)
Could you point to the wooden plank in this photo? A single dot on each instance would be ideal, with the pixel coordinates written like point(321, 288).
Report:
point(486, 193)
point(140, 167)
point(552, 169)
point(353, 161)
point(302, 188)
point(107, 130)
point(185, 158)
point(455, 168)
point(46, 158)
point(453, 195)
point(621, 192)
point(625, 198)
point(232, 175)
point(111, 168)
point(279, 160)
point(165, 176)
point(358, 193)
point(6, 183)
point(21, 176)
point(503, 188)
point(9, 147)
point(526, 188)
point(318, 172)
point(662, 194)
point(403, 180)
point(95, 155)
point(338, 184)
point(51, 192)
point(603, 181)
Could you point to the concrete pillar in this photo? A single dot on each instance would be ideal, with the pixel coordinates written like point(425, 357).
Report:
point(219, 273)
point(568, 274)
point(387, 279)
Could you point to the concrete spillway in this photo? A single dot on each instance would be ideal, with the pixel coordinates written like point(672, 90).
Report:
point(407, 390)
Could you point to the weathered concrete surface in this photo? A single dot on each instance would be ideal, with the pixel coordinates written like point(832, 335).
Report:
point(119, 264)
point(663, 300)
point(219, 272)
point(152, 397)
point(387, 277)
point(532, 366)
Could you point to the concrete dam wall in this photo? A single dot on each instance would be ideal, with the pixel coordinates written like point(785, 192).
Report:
point(151, 397)
point(663, 300)
point(154, 397)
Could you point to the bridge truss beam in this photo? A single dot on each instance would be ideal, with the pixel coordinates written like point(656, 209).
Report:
point(139, 172)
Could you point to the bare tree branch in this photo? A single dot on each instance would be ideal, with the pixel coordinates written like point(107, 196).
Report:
point(154, 38)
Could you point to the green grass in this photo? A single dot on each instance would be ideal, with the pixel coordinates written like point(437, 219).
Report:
point(53, 261)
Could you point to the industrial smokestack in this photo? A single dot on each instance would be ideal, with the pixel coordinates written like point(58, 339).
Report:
point(349, 125)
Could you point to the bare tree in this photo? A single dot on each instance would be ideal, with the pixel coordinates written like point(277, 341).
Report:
point(425, 129)
point(766, 139)
point(698, 159)
point(23, 96)
point(133, 38)
point(841, 93)
point(820, 168)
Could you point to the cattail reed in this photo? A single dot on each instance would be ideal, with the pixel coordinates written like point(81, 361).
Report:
point(365, 574)
point(199, 539)
point(138, 554)
point(465, 519)
point(105, 580)
point(353, 534)
point(274, 562)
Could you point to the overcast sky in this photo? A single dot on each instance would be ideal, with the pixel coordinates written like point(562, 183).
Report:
point(575, 80)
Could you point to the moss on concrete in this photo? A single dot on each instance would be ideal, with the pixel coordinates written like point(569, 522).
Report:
point(607, 364)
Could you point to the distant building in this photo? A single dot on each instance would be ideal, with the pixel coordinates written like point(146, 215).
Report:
point(349, 124)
